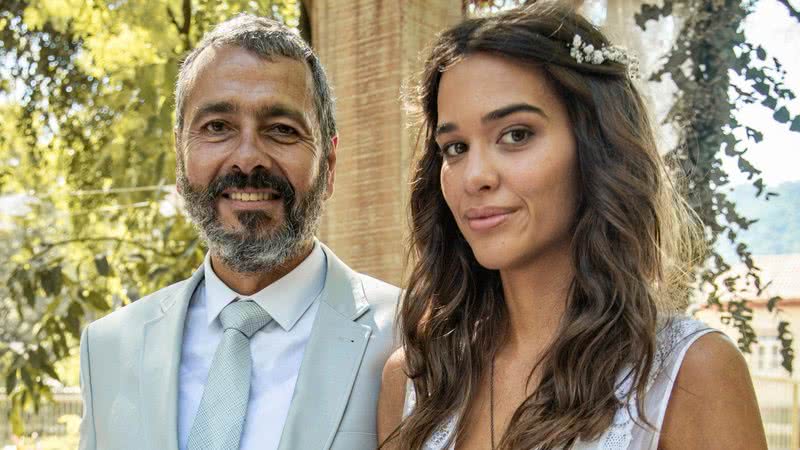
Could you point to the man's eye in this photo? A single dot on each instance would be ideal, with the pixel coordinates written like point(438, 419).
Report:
point(516, 136)
point(216, 127)
point(284, 129)
point(283, 134)
point(454, 149)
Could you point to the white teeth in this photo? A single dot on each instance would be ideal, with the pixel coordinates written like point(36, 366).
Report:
point(252, 196)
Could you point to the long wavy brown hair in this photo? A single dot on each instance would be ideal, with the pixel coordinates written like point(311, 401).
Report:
point(632, 247)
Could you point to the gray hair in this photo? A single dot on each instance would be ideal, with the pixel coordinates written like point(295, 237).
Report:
point(268, 39)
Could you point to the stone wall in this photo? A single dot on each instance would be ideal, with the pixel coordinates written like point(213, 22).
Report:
point(370, 48)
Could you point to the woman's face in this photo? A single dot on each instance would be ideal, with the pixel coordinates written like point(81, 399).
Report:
point(509, 169)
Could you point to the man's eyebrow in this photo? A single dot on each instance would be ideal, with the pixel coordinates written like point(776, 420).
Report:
point(214, 108)
point(511, 109)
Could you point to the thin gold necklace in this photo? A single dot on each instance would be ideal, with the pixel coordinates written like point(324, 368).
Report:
point(491, 403)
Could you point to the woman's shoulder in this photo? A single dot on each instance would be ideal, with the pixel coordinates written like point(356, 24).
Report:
point(685, 345)
point(393, 394)
point(710, 366)
point(394, 371)
point(712, 391)
point(675, 335)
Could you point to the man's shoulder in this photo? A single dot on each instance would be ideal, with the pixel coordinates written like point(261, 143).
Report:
point(383, 299)
point(379, 292)
point(136, 313)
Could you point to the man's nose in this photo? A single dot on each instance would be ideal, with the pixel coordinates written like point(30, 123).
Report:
point(251, 153)
point(480, 174)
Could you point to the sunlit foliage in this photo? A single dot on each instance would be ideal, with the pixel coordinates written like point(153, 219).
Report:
point(89, 218)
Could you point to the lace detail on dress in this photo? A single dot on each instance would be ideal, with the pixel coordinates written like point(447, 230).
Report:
point(673, 337)
point(441, 434)
point(620, 434)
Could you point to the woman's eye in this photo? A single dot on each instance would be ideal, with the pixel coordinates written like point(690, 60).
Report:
point(516, 136)
point(454, 149)
point(216, 127)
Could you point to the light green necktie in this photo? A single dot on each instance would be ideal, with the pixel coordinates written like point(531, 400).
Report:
point(220, 417)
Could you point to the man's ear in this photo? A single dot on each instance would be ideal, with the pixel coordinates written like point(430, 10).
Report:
point(176, 134)
point(331, 166)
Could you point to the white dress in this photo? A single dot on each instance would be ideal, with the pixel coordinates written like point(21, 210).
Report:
point(624, 433)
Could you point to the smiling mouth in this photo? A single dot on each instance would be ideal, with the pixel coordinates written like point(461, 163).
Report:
point(487, 219)
point(252, 196)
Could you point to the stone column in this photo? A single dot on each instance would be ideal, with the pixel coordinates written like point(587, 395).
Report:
point(649, 46)
point(370, 48)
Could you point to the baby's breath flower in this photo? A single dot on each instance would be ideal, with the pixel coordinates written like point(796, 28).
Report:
point(584, 52)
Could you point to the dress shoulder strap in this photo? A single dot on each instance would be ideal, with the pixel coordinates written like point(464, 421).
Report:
point(628, 431)
point(674, 342)
point(411, 399)
point(442, 436)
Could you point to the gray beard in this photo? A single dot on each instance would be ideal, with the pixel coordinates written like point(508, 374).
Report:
point(248, 251)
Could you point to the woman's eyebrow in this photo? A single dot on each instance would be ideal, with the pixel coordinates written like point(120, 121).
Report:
point(511, 109)
point(443, 128)
point(497, 114)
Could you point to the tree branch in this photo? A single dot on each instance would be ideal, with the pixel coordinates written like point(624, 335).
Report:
point(305, 21)
point(173, 19)
point(187, 16)
point(51, 245)
point(792, 12)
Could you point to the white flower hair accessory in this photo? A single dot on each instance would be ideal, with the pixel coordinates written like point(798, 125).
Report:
point(586, 53)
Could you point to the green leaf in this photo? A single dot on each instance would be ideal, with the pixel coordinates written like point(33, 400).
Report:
point(27, 380)
point(15, 418)
point(96, 301)
point(45, 365)
point(781, 115)
point(29, 292)
point(51, 280)
point(795, 124)
point(772, 302)
point(159, 169)
point(770, 102)
point(11, 381)
point(158, 271)
point(101, 263)
point(652, 12)
point(72, 321)
point(761, 53)
point(20, 278)
point(755, 135)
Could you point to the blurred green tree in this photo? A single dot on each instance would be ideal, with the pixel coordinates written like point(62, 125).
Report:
point(89, 221)
point(717, 70)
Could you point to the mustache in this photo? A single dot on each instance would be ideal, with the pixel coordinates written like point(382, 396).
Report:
point(258, 179)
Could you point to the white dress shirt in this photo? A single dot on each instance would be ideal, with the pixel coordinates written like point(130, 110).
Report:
point(277, 349)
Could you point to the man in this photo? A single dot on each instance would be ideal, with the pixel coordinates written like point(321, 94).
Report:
point(273, 343)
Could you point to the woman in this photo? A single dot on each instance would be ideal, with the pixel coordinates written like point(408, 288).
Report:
point(550, 251)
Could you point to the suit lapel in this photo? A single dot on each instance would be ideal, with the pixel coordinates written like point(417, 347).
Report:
point(330, 363)
point(161, 351)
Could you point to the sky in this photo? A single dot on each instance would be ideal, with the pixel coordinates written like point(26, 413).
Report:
point(778, 155)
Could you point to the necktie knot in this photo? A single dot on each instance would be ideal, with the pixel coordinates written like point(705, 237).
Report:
point(244, 316)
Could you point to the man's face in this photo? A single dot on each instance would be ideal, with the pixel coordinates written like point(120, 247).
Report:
point(252, 171)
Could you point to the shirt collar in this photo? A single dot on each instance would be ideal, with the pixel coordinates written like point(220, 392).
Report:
point(285, 299)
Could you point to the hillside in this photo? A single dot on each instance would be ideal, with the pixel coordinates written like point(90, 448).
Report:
point(778, 228)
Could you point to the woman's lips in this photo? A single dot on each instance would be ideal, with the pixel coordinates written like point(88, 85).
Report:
point(482, 219)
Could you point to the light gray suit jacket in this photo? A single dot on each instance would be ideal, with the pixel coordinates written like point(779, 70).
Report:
point(130, 360)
